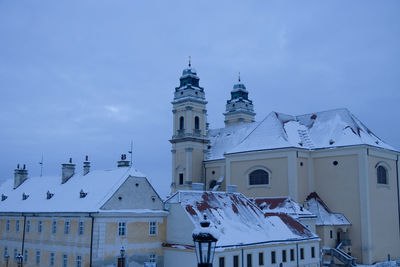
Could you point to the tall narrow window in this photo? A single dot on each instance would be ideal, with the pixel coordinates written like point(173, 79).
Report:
point(37, 256)
point(8, 225)
point(17, 226)
point(181, 123)
point(221, 262)
point(331, 234)
point(66, 227)
point(181, 178)
point(65, 260)
point(54, 227)
point(301, 253)
point(236, 261)
point(292, 254)
point(259, 177)
point(273, 257)
point(249, 260)
point(52, 258)
point(196, 123)
point(312, 252)
point(40, 226)
point(78, 261)
point(283, 255)
point(81, 225)
point(5, 252)
point(382, 175)
point(121, 229)
point(153, 257)
point(152, 228)
point(26, 253)
point(28, 226)
point(261, 258)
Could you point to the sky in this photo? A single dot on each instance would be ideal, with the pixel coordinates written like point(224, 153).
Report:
point(86, 77)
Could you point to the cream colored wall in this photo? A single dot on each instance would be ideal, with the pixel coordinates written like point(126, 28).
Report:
point(278, 168)
point(302, 172)
point(384, 211)
point(339, 188)
point(197, 159)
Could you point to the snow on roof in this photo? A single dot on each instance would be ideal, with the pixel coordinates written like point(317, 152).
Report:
point(284, 205)
point(324, 215)
point(238, 220)
point(99, 186)
point(326, 129)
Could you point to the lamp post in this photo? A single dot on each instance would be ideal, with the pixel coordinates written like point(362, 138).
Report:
point(205, 239)
point(19, 259)
point(121, 259)
point(6, 257)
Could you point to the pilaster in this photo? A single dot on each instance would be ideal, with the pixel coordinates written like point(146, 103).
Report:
point(292, 176)
point(189, 162)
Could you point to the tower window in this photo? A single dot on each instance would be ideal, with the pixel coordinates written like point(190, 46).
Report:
point(181, 123)
point(196, 123)
point(259, 177)
point(181, 178)
point(382, 175)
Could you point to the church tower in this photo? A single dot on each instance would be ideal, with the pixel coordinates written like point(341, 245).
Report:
point(239, 109)
point(189, 131)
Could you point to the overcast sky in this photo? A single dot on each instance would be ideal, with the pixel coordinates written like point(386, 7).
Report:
point(86, 77)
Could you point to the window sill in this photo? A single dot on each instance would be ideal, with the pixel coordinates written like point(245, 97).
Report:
point(383, 185)
point(259, 186)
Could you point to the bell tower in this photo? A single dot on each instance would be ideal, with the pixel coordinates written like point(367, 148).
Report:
point(239, 109)
point(189, 131)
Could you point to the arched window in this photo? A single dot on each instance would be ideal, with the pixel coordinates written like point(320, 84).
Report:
point(181, 123)
point(196, 123)
point(381, 175)
point(258, 177)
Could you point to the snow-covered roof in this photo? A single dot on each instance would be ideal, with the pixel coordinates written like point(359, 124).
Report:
point(326, 129)
point(99, 186)
point(324, 215)
point(238, 220)
point(282, 205)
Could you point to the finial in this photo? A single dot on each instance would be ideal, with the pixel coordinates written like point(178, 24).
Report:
point(239, 77)
point(190, 61)
point(70, 160)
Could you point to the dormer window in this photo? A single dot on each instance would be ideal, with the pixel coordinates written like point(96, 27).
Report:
point(82, 194)
point(49, 195)
point(24, 196)
point(3, 197)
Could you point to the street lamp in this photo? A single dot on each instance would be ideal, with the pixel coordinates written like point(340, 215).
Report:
point(121, 260)
point(205, 239)
point(19, 259)
point(6, 257)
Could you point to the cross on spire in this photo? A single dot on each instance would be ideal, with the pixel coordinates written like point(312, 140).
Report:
point(190, 61)
point(239, 77)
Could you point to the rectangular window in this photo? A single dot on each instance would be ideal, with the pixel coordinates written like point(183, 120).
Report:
point(81, 225)
point(273, 257)
point(283, 255)
point(65, 260)
point(331, 234)
point(312, 252)
point(5, 252)
point(78, 261)
point(8, 226)
point(261, 258)
point(236, 261)
point(292, 254)
point(152, 228)
point(66, 227)
point(39, 227)
point(28, 226)
point(181, 178)
point(17, 226)
point(52, 258)
point(54, 227)
point(153, 257)
point(249, 262)
point(26, 253)
point(37, 256)
point(221, 262)
point(301, 253)
point(121, 229)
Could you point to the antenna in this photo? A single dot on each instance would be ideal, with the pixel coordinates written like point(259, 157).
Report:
point(41, 166)
point(131, 151)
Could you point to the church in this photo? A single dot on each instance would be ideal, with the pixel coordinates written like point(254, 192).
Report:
point(328, 155)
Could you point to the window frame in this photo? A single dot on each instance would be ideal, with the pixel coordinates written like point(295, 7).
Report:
point(121, 228)
point(284, 255)
point(273, 257)
point(221, 261)
point(249, 260)
point(26, 255)
point(81, 227)
point(301, 253)
point(256, 168)
point(40, 226)
point(54, 227)
point(292, 254)
point(28, 226)
point(67, 227)
point(65, 260)
point(78, 261)
point(312, 252)
point(386, 168)
point(17, 225)
point(8, 226)
point(5, 252)
point(235, 262)
point(153, 257)
point(261, 258)
point(52, 258)
point(153, 228)
point(37, 257)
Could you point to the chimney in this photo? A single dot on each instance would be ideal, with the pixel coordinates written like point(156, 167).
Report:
point(123, 162)
point(231, 188)
point(20, 175)
point(197, 186)
point(86, 166)
point(68, 170)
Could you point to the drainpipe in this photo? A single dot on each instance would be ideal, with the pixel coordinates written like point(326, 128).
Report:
point(23, 238)
point(91, 240)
